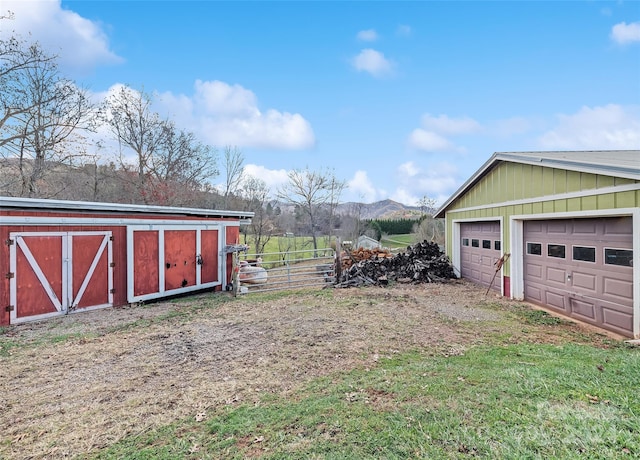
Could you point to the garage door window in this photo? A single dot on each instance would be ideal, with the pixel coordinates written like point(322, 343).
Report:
point(534, 249)
point(584, 254)
point(475, 243)
point(622, 257)
point(556, 250)
point(465, 241)
point(486, 244)
point(496, 245)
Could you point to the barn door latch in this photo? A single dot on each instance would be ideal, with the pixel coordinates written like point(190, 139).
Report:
point(9, 308)
point(10, 275)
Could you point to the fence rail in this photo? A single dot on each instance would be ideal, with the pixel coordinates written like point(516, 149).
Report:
point(277, 271)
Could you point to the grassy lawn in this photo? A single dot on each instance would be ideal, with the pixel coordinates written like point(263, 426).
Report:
point(398, 241)
point(431, 372)
point(517, 401)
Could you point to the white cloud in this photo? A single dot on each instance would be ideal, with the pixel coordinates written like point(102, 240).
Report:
point(274, 178)
point(217, 97)
point(595, 128)
point(624, 33)
point(362, 187)
point(432, 135)
point(443, 124)
point(369, 35)
point(437, 181)
point(428, 141)
point(223, 114)
point(79, 43)
point(372, 61)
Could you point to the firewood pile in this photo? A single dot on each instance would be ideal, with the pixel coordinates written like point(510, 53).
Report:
point(357, 255)
point(421, 263)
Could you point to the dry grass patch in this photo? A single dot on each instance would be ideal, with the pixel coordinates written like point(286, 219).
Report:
point(73, 385)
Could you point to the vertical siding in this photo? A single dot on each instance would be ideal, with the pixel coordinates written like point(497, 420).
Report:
point(510, 182)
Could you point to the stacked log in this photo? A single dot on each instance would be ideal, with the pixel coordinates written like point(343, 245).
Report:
point(421, 263)
point(351, 257)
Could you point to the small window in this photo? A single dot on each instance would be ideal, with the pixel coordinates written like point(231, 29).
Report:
point(623, 257)
point(475, 243)
point(556, 250)
point(465, 241)
point(486, 244)
point(534, 249)
point(496, 245)
point(584, 254)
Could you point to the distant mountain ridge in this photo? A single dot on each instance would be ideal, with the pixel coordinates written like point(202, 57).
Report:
point(385, 209)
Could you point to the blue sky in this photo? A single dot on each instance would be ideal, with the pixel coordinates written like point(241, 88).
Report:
point(401, 99)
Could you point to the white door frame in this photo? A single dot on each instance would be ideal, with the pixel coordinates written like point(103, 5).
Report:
point(67, 303)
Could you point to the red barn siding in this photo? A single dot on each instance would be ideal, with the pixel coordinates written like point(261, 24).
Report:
point(177, 246)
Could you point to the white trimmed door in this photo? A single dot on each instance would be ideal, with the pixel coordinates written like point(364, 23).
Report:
point(582, 268)
point(53, 273)
point(480, 249)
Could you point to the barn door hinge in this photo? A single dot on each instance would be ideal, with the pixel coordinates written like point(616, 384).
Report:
point(111, 238)
point(112, 264)
point(9, 242)
point(9, 308)
point(10, 275)
point(112, 291)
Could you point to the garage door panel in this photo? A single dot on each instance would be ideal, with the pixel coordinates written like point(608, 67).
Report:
point(478, 257)
point(583, 309)
point(533, 271)
point(533, 292)
point(555, 299)
point(588, 285)
point(620, 289)
point(586, 281)
point(618, 319)
point(584, 227)
point(556, 275)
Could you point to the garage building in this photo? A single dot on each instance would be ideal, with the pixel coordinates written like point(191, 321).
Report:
point(557, 229)
point(59, 257)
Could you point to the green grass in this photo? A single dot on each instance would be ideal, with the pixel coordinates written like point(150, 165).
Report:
point(517, 401)
point(398, 241)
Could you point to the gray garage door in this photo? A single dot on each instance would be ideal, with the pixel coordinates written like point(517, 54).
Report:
point(480, 248)
point(582, 268)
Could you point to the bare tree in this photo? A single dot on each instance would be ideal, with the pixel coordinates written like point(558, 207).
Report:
point(44, 115)
point(256, 194)
point(233, 170)
point(309, 191)
point(181, 165)
point(137, 128)
point(16, 57)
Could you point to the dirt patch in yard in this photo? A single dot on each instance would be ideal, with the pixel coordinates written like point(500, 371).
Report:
point(73, 385)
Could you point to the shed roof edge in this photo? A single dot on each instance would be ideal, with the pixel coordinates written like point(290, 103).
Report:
point(36, 203)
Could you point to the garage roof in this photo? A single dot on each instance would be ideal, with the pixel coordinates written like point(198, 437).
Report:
point(617, 163)
point(32, 203)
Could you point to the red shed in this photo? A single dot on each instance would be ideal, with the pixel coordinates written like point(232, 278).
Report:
point(59, 257)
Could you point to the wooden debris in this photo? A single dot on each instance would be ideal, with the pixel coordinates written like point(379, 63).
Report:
point(421, 263)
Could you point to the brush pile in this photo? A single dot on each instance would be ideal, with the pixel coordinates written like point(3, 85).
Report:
point(421, 263)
